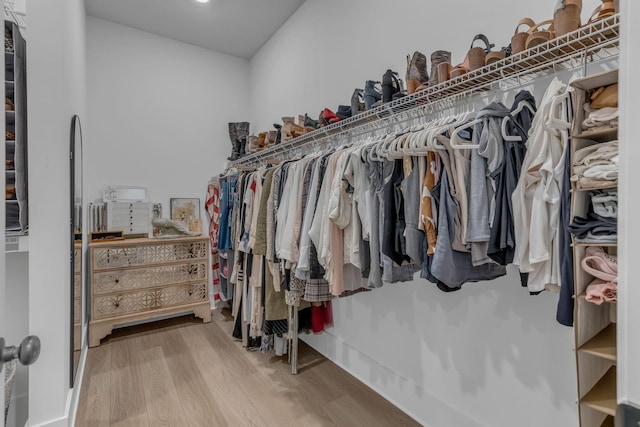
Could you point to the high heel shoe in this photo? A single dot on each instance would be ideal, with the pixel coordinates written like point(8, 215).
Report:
point(438, 57)
point(371, 94)
point(566, 17)
point(476, 57)
point(416, 71)
point(328, 117)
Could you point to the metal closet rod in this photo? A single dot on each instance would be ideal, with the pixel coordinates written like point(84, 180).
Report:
point(596, 41)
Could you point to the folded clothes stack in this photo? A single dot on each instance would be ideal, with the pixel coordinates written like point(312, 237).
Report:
point(604, 268)
point(594, 229)
point(602, 110)
point(605, 202)
point(596, 166)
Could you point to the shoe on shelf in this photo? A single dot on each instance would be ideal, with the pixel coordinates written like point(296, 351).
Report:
point(566, 17)
point(328, 117)
point(357, 102)
point(344, 112)
point(438, 57)
point(270, 139)
point(540, 33)
point(372, 93)
point(310, 123)
point(262, 136)
point(416, 71)
point(519, 38)
point(278, 127)
point(252, 144)
point(476, 57)
point(391, 84)
point(290, 129)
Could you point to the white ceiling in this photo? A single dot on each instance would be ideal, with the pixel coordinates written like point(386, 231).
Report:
point(236, 27)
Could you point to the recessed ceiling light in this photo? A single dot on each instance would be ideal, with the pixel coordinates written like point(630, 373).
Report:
point(203, 1)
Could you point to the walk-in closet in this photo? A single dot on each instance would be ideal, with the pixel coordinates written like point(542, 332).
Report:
point(323, 213)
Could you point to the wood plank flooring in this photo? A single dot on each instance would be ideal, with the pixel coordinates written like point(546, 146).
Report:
point(181, 372)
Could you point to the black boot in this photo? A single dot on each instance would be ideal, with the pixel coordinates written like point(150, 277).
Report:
point(242, 129)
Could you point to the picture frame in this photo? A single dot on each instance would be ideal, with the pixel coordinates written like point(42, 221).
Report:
point(185, 210)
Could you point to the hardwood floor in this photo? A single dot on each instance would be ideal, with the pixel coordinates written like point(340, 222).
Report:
point(181, 372)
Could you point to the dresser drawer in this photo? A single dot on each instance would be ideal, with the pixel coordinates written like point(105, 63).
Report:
point(108, 282)
point(138, 255)
point(107, 306)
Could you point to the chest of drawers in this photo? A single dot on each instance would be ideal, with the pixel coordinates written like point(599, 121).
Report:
point(142, 279)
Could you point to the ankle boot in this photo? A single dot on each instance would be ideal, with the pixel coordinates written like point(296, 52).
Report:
point(310, 123)
point(252, 144)
point(357, 102)
point(438, 57)
point(290, 130)
point(343, 112)
point(416, 71)
point(371, 94)
point(262, 136)
point(270, 140)
point(390, 85)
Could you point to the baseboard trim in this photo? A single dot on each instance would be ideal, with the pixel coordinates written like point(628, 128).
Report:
point(75, 395)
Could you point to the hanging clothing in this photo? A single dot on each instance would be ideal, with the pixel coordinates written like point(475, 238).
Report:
point(536, 199)
point(212, 207)
point(502, 240)
point(451, 267)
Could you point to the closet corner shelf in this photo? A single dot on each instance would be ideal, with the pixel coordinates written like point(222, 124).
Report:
point(614, 184)
point(603, 344)
point(600, 135)
point(603, 245)
point(594, 42)
point(602, 397)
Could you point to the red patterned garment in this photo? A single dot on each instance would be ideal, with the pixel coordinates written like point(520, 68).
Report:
point(212, 206)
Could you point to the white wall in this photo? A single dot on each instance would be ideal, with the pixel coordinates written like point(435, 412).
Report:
point(629, 229)
point(328, 48)
point(159, 111)
point(489, 355)
point(56, 82)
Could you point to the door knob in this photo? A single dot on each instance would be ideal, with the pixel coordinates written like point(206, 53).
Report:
point(27, 353)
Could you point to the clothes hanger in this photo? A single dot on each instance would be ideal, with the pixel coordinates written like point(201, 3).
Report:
point(393, 153)
point(451, 127)
point(521, 106)
point(455, 136)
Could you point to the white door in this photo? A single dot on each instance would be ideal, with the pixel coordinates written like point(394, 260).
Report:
point(17, 347)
